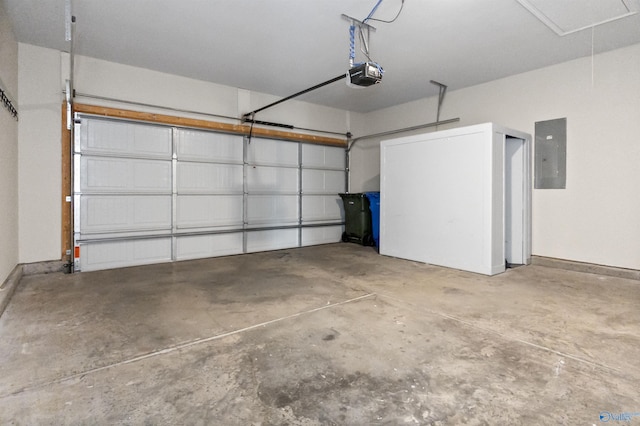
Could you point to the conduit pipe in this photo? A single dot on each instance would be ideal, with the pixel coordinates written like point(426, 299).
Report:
point(353, 141)
point(406, 129)
point(69, 95)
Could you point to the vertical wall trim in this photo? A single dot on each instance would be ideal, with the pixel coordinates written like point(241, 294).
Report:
point(245, 191)
point(299, 195)
point(67, 229)
point(174, 192)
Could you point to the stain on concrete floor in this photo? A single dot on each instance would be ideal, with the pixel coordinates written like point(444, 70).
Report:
point(326, 335)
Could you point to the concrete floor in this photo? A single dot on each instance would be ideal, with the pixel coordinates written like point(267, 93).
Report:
point(331, 334)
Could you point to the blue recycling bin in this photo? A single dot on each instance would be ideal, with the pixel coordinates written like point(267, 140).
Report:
point(374, 206)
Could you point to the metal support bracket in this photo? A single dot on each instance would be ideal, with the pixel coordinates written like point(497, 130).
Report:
point(358, 22)
point(442, 90)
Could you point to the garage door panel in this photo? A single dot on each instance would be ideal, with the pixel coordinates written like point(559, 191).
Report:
point(125, 139)
point(271, 240)
point(202, 246)
point(209, 178)
point(122, 213)
point(323, 157)
point(267, 152)
point(272, 209)
point(201, 211)
point(208, 146)
point(281, 180)
point(321, 235)
point(118, 254)
point(322, 208)
point(149, 193)
point(322, 181)
point(107, 174)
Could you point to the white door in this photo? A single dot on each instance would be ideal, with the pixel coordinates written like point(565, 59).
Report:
point(147, 193)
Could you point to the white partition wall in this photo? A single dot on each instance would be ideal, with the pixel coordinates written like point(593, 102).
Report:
point(148, 193)
point(459, 198)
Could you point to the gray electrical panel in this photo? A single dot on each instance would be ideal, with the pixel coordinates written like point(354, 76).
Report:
point(551, 154)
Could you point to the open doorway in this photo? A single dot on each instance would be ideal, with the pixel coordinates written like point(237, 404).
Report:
point(516, 203)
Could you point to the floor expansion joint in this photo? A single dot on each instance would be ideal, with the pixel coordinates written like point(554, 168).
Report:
point(185, 345)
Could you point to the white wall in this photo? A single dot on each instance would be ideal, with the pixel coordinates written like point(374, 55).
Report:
point(101, 78)
point(595, 219)
point(42, 74)
point(8, 150)
point(39, 153)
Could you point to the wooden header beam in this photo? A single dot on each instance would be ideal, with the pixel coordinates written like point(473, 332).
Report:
point(240, 129)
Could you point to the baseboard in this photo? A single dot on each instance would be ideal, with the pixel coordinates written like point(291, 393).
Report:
point(43, 267)
point(590, 268)
point(9, 286)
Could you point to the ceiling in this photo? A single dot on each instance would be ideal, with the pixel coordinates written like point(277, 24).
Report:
point(281, 47)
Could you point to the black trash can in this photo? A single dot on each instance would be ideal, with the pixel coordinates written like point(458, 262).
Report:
point(357, 216)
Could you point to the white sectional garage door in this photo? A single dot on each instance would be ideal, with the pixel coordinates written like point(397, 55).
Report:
point(148, 193)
